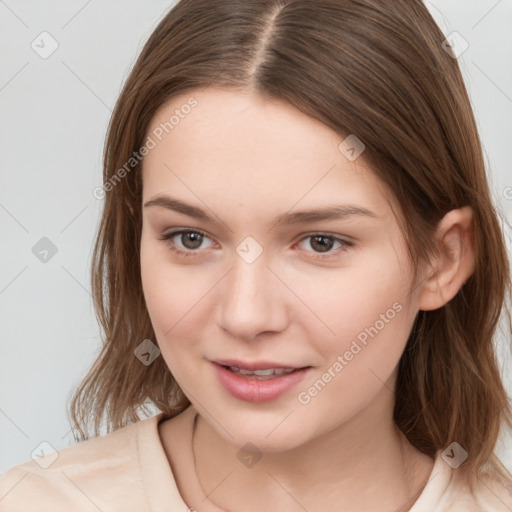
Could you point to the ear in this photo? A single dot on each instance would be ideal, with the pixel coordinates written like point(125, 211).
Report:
point(454, 262)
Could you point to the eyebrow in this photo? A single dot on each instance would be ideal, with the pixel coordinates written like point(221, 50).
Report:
point(335, 212)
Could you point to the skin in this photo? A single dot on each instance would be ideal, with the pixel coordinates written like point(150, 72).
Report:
point(246, 160)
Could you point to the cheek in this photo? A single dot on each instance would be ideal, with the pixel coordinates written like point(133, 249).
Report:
point(165, 287)
point(370, 292)
point(173, 301)
point(176, 297)
point(369, 318)
point(169, 305)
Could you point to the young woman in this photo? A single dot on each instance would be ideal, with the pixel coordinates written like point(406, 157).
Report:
point(300, 265)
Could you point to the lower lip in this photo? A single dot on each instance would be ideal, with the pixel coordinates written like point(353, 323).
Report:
point(255, 390)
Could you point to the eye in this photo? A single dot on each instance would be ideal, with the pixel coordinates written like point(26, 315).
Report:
point(191, 240)
point(323, 243)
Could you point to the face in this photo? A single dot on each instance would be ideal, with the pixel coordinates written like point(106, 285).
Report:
point(251, 280)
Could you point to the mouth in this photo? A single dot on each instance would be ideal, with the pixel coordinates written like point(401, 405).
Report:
point(262, 370)
point(258, 384)
point(267, 374)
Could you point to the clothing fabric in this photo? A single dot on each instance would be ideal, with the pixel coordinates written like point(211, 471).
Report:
point(128, 470)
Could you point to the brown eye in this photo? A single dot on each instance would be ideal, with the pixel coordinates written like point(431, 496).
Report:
point(189, 241)
point(322, 245)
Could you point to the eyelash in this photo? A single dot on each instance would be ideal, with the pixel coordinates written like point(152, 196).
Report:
point(190, 253)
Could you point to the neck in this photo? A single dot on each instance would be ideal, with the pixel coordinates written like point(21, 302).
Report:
point(366, 464)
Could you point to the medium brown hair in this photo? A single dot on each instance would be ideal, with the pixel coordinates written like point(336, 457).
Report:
point(373, 68)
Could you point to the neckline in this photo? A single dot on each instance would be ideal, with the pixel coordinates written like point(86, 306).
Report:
point(156, 473)
point(161, 486)
point(194, 482)
point(437, 484)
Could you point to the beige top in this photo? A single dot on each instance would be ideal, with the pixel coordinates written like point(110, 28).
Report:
point(128, 470)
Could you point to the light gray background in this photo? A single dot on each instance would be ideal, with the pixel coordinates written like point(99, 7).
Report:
point(54, 114)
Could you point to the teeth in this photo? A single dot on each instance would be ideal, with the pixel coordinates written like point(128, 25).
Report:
point(280, 371)
point(262, 373)
point(270, 371)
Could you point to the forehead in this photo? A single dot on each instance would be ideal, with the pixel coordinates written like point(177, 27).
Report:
point(236, 145)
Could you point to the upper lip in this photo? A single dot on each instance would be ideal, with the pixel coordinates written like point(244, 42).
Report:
point(253, 365)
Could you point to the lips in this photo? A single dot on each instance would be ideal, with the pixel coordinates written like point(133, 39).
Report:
point(251, 387)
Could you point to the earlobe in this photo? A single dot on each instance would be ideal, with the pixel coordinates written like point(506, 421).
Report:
point(454, 262)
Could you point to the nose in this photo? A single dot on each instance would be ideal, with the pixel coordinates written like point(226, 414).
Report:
point(252, 300)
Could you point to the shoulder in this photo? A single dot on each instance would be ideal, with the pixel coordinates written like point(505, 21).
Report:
point(74, 478)
point(448, 491)
point(493, 489)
